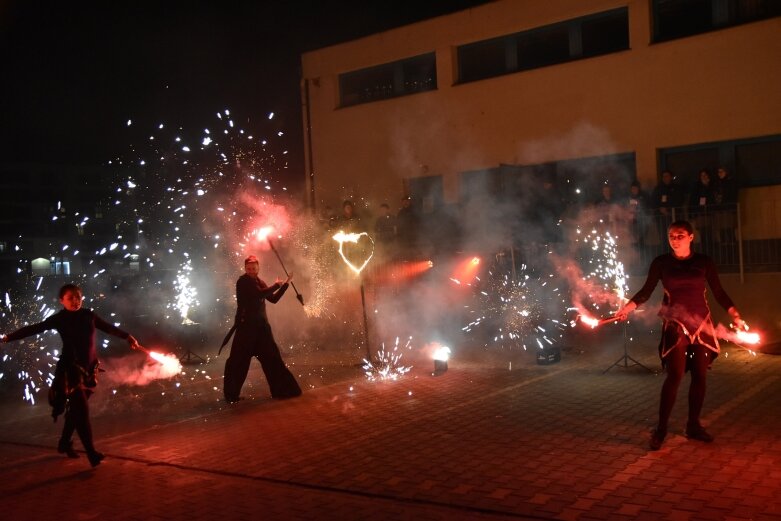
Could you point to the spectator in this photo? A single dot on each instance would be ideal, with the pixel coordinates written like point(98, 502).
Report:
point(667, 202)
point(607, 209)
point(385, 227)
point(638, 207)
point(407, 222)
point(544, 210)
point(700, 204)
point(349, 221)
point(725, 199)
point(667, 196)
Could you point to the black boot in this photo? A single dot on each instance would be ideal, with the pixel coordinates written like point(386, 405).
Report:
point(66, 447)
point(657, 438)
point(695, 431)
point(95, 458)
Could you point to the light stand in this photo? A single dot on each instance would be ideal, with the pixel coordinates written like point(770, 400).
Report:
point(625, 359)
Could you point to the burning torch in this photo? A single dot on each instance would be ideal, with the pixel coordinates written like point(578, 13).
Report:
point(169, 361)
point(263, 233)
point(299, 296)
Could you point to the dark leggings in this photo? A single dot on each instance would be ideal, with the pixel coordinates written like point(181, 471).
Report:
point(698, 358)
point(77, 419)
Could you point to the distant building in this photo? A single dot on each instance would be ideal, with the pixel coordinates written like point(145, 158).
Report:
point(582, 93)
point(52, 217)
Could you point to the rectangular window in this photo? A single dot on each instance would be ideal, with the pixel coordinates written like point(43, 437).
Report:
point(389, 80)
point(482, 60)
point(547, 46)
point(582, 37)
point(751, 162)
point(605, 34)
point(759, 164)
point(680, 18)
point(685, 165)
point(427, 193)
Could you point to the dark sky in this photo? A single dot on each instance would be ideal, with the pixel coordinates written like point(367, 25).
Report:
point(74, 72)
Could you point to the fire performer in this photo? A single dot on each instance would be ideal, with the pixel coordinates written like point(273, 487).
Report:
point(76, 373)
point(254, 337)
point(688, 340)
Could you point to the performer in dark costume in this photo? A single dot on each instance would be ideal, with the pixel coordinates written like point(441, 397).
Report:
point(688, 338)
point(254, 337)
point(76, 371)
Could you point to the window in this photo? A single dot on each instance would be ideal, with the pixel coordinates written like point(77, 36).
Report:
point(389, 80)
point(61, 268)
point(679, 18)
point(482, 60)
point(605, 34)
point(759, 163)
point(427, 193)
point(541, 47)
point(583, 37)
point(752, 162)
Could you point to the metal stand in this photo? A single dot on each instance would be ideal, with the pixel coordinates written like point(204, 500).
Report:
point(191, 334)
point(191, 358)
point(365, 323)
point(624, 360)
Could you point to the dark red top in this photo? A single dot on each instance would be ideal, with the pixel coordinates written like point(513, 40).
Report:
point(684, 281)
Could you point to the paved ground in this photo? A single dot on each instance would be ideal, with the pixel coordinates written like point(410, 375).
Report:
point(487, 440)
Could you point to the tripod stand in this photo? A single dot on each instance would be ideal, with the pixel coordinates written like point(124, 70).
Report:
point(191, 358)
point(625, 359)
point(191, 333)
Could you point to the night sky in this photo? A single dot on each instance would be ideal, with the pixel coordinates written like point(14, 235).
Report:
point(75, 72)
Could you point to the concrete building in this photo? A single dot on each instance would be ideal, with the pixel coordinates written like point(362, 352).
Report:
point(583, 93)
point(52, 219)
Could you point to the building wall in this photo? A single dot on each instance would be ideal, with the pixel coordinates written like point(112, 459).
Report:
point(715, 86)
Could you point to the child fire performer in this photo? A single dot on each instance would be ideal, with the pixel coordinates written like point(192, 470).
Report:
point(75, 376)
point(254, 337)
point(688, 340)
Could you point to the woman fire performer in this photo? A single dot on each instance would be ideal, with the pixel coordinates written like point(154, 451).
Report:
point(75, 376)
point(688, 340)
point(254, 337)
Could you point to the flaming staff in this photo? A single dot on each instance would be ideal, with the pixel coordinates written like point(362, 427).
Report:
point(263, 233)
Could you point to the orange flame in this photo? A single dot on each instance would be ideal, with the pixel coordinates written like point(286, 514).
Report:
point(589, 321)
point(745, 337)
point(171, 364)
point(262, 234)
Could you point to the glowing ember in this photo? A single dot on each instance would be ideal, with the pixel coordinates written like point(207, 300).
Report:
point(183, 202)
point(516, 312)
point(262, 234)
point(388, 365)
point(589, 321)
point(745, 337)
point(739, 337)
point(353, 238)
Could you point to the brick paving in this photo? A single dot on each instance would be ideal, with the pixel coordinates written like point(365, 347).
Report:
point(565, 441)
